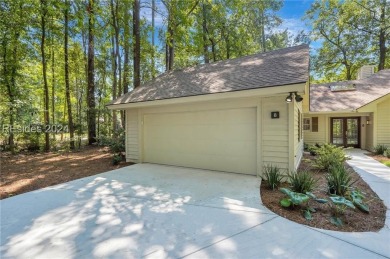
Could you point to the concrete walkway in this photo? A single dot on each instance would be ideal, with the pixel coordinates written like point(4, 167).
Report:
point(154, 211)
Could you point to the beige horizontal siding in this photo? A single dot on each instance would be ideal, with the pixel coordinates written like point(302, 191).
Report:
point(383, 128)
point(275, 132)
point(132, 136)
point(312, 138)
point(298, 144)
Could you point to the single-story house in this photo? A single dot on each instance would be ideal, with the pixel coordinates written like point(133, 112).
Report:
point(350, 113)
point(230, 115)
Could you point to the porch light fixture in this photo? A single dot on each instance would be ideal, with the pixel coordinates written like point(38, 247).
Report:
point(289, 98)
point(368, 122)
point(298, 98)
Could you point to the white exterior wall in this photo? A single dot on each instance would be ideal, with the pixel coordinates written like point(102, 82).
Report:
point(273, 135)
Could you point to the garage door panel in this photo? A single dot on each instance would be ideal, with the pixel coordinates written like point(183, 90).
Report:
point(223, 140)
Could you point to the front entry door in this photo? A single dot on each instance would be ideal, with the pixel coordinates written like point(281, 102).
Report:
point(345, 132)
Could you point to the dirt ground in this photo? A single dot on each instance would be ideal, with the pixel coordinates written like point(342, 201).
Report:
point(31, 171)
point(354, 220)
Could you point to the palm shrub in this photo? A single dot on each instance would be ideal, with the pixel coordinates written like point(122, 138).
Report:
point(328, 155)
point(273, 176)
point(339, 180)
point(380, 149)
point(301, 181)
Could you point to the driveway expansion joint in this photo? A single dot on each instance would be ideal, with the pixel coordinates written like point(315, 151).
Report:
point(226, 238)
point(348, 242)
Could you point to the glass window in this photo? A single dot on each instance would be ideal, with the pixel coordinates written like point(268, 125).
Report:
point(306, 123)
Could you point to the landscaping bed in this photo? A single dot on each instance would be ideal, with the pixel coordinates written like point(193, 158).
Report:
point(353, 220)
point(26, 172)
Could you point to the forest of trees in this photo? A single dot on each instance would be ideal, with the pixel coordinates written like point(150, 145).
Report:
point(63, 60)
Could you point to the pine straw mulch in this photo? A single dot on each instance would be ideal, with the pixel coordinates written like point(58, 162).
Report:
point(25, 172)
point(354, 220)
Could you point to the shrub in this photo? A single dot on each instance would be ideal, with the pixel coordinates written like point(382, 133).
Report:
point(116, 143)
point(380, 149)
point(116, 159)
point(273, 176)
point(328, 155)
point(302, 181)
point(387, 153)
point(339, 180)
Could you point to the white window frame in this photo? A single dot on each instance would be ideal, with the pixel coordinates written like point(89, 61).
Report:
point(305, 124)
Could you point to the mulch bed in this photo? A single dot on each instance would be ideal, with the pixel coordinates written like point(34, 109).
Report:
point(354, 220)
point(26, 172)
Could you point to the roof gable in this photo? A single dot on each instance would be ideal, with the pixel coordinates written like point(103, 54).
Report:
point(274, 68)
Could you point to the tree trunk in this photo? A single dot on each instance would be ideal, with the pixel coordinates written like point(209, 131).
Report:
point(126, 38)
point(114, 85)
point(382, 37)
point(204, 27)
point(44, 70)
point(53, 81)
point(91, 77)
point(166, 56)
point(153, 63)
point(171, 50)
point(263, 43)
point(67, 86)
point(137, 44)
point(10, 88)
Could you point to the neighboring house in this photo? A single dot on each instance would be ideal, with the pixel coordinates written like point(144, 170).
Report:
point(228, 116)
point(351, 113)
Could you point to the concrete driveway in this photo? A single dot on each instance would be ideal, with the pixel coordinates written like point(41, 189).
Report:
point(154, 211)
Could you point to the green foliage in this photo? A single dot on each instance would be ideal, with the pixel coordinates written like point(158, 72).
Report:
point(116, 143)
point(339, 180)
point(116, 159)
point(273, 176)
point(344, 47)
point(342, 201)
point(380, 149)
point(295, 197)
point(301, 181)
point(386, 153)
point(328, 155)
point(356, 196)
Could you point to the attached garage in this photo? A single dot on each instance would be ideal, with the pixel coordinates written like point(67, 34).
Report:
point(218, 116)
point(223, 140)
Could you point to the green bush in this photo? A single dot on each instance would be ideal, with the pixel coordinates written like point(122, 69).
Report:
point(328, 155)
point(301, 181)
point(116, 143)
point(116, 159)
point(380, 149)
point(273, 176)
point(339, 180)
point(387, 153)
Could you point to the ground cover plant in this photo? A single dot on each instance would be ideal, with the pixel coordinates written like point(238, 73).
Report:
point(335, 199)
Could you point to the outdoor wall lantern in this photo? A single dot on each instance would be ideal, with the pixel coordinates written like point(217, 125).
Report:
point(298, 98)
point(289, 98)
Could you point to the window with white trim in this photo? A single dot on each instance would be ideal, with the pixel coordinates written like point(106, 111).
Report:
point(306, 124)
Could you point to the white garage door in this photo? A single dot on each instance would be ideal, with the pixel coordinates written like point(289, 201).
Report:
point(223, 140)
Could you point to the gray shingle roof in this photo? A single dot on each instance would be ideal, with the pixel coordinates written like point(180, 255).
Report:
point(274, 68)
point(322, 99)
